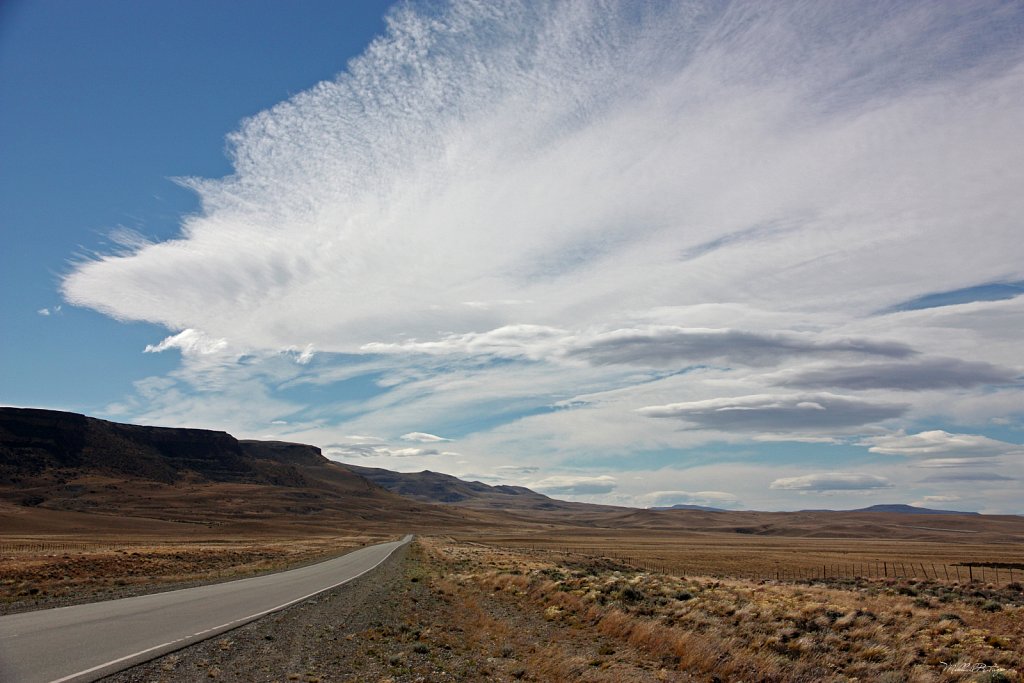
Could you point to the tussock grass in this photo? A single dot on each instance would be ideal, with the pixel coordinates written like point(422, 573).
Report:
point(744, 630)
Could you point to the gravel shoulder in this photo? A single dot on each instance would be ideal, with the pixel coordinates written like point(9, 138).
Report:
point(338, 635)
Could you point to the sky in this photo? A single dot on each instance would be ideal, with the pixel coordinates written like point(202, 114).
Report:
point(740, 254)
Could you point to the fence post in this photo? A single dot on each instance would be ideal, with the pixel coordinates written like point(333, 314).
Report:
point(970, 570)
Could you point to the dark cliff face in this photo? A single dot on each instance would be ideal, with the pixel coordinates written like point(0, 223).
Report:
point(65, 461)
point(33, 441)
point(283, 451)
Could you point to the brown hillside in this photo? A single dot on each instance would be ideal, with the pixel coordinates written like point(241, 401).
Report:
point(436, 487)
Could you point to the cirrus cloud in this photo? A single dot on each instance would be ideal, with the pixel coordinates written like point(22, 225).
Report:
point(565, 164)
point(526, 220)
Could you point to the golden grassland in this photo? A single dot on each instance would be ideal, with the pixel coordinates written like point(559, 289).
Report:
point(706, 628)
point(737, 555)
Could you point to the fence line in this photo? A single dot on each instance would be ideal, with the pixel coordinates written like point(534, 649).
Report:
point(55, 547)
point(962, 572)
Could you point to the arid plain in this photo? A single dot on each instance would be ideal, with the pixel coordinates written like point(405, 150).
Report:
point(532, 590)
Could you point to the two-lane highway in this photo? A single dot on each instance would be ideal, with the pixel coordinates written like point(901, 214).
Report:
point(87, 642)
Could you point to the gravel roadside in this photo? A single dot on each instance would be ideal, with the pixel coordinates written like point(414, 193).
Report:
point(363, 630)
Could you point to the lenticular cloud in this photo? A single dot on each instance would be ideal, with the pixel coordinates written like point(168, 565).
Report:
point(570, 164)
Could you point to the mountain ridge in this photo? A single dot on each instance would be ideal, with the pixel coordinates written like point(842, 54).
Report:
point(436, 487)
point(900, 509)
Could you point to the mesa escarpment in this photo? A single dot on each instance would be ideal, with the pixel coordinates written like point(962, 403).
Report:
point(57, 462)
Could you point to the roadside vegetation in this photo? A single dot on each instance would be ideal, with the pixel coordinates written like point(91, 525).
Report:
point(699, 628)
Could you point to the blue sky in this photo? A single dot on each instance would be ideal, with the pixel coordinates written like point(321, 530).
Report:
point(746, 255)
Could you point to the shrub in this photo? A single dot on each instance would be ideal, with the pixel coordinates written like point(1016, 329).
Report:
point(630, 594)
point(993, 677)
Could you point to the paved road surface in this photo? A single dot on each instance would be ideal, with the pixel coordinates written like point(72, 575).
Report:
point(87, 642)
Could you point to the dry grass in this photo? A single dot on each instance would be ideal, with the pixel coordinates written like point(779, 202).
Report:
point(50, 571)
point(762, 557)
point(699, 627)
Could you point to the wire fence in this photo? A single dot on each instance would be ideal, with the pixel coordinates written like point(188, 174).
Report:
point(61, 547)
point(997, 573)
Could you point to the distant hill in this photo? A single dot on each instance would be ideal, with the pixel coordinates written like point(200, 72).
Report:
point(899, 509)
point(910, 510)
point(686, 506)
point(52, 460)
point(435, 487)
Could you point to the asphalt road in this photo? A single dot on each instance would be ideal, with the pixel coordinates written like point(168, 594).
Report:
point(87, 642)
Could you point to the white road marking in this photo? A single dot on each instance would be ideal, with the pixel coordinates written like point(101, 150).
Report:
point(222, 627)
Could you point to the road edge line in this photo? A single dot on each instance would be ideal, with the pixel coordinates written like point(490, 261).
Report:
point(171, 646)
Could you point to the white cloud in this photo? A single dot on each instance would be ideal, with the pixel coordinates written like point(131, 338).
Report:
point(302, 357)
point(832, 481)
point(422, 437)
point(191, 343)
point(939, 499)
point(645, 346)
point(517, 469)
point(344, 451)
point(574, 485)
point(47, 312)
point(941, 444)
point(931, 373)
point(796, 438)
point(706, 498)
point(944, 463)
point(778, 412)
